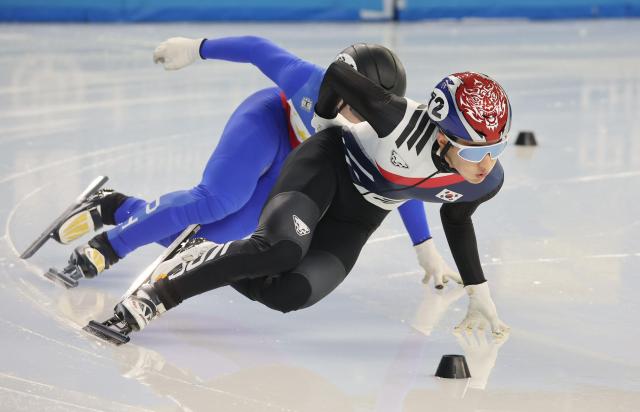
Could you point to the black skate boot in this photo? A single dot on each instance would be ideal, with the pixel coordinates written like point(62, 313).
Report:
point(86, 261)
point(48, 233)
point(92, 209)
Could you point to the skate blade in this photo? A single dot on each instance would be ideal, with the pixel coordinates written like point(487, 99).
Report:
point(61, 278)
point(47, 234)
point(106, 333)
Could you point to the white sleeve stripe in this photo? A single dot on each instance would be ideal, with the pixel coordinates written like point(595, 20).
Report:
point(224, 249)
point(215, 252)
point(359, 165)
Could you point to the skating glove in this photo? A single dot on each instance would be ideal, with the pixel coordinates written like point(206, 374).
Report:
point(482, 312)
point(177, 52)
point(434, 265)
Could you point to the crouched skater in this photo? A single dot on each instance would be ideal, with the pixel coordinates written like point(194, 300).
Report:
point(334, 191)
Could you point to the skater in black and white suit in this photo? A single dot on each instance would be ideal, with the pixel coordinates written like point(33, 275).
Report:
point(335, 190)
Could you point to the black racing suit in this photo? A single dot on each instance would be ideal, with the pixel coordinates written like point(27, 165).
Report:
point(322, 211)
point(309, 236)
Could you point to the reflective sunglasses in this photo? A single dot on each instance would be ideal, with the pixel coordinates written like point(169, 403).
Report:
point(475, 154)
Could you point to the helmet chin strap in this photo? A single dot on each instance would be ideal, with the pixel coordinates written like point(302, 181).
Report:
point(443, 165)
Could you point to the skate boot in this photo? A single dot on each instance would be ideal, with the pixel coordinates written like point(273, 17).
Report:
point(74, 207)
point(89, 216)
point(86, 261)
point(133, 313)
point(140, 308)
point(143, 301)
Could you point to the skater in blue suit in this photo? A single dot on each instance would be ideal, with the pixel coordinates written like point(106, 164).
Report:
point(244, 167)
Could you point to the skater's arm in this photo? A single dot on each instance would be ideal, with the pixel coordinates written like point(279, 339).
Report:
point(382, 109)
point(285, 69)
point(458, 227)
point(415, 220)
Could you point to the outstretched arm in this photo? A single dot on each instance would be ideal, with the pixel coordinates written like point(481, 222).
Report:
point(458, 227)
point(285, 69)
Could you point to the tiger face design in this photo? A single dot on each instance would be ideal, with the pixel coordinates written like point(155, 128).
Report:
point(483, 104)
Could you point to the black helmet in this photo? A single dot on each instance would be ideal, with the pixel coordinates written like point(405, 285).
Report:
point(379, 64)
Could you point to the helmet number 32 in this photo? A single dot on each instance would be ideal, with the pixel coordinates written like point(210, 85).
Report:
point(438, 106)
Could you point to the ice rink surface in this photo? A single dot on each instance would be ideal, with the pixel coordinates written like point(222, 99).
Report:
point(560, 244)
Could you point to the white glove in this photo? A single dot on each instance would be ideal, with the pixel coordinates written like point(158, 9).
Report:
point(482, 312)
point(320, 123)
point(177, 52)
point(434, 266)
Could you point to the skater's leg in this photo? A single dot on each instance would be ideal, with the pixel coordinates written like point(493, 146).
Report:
point(277, 246)
point(316, 276)
point(336, 245)
point(274, 248)
point(248, 147)
point(243, 222)
point(129, 207)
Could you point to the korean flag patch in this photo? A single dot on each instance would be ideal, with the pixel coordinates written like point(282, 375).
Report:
point(448, 195)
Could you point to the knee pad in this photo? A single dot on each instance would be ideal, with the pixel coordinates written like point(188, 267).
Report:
point(288, 217)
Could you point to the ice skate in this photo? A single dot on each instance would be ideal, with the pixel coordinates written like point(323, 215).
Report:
point(86, 261)
point(140, 308)
point(141, 304)
point(133, 313)
point(85, 219)
point(82, 217)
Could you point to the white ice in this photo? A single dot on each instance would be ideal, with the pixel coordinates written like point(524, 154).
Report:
point(560, 244)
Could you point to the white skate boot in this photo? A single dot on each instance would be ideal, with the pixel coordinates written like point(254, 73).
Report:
point(140, 308)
